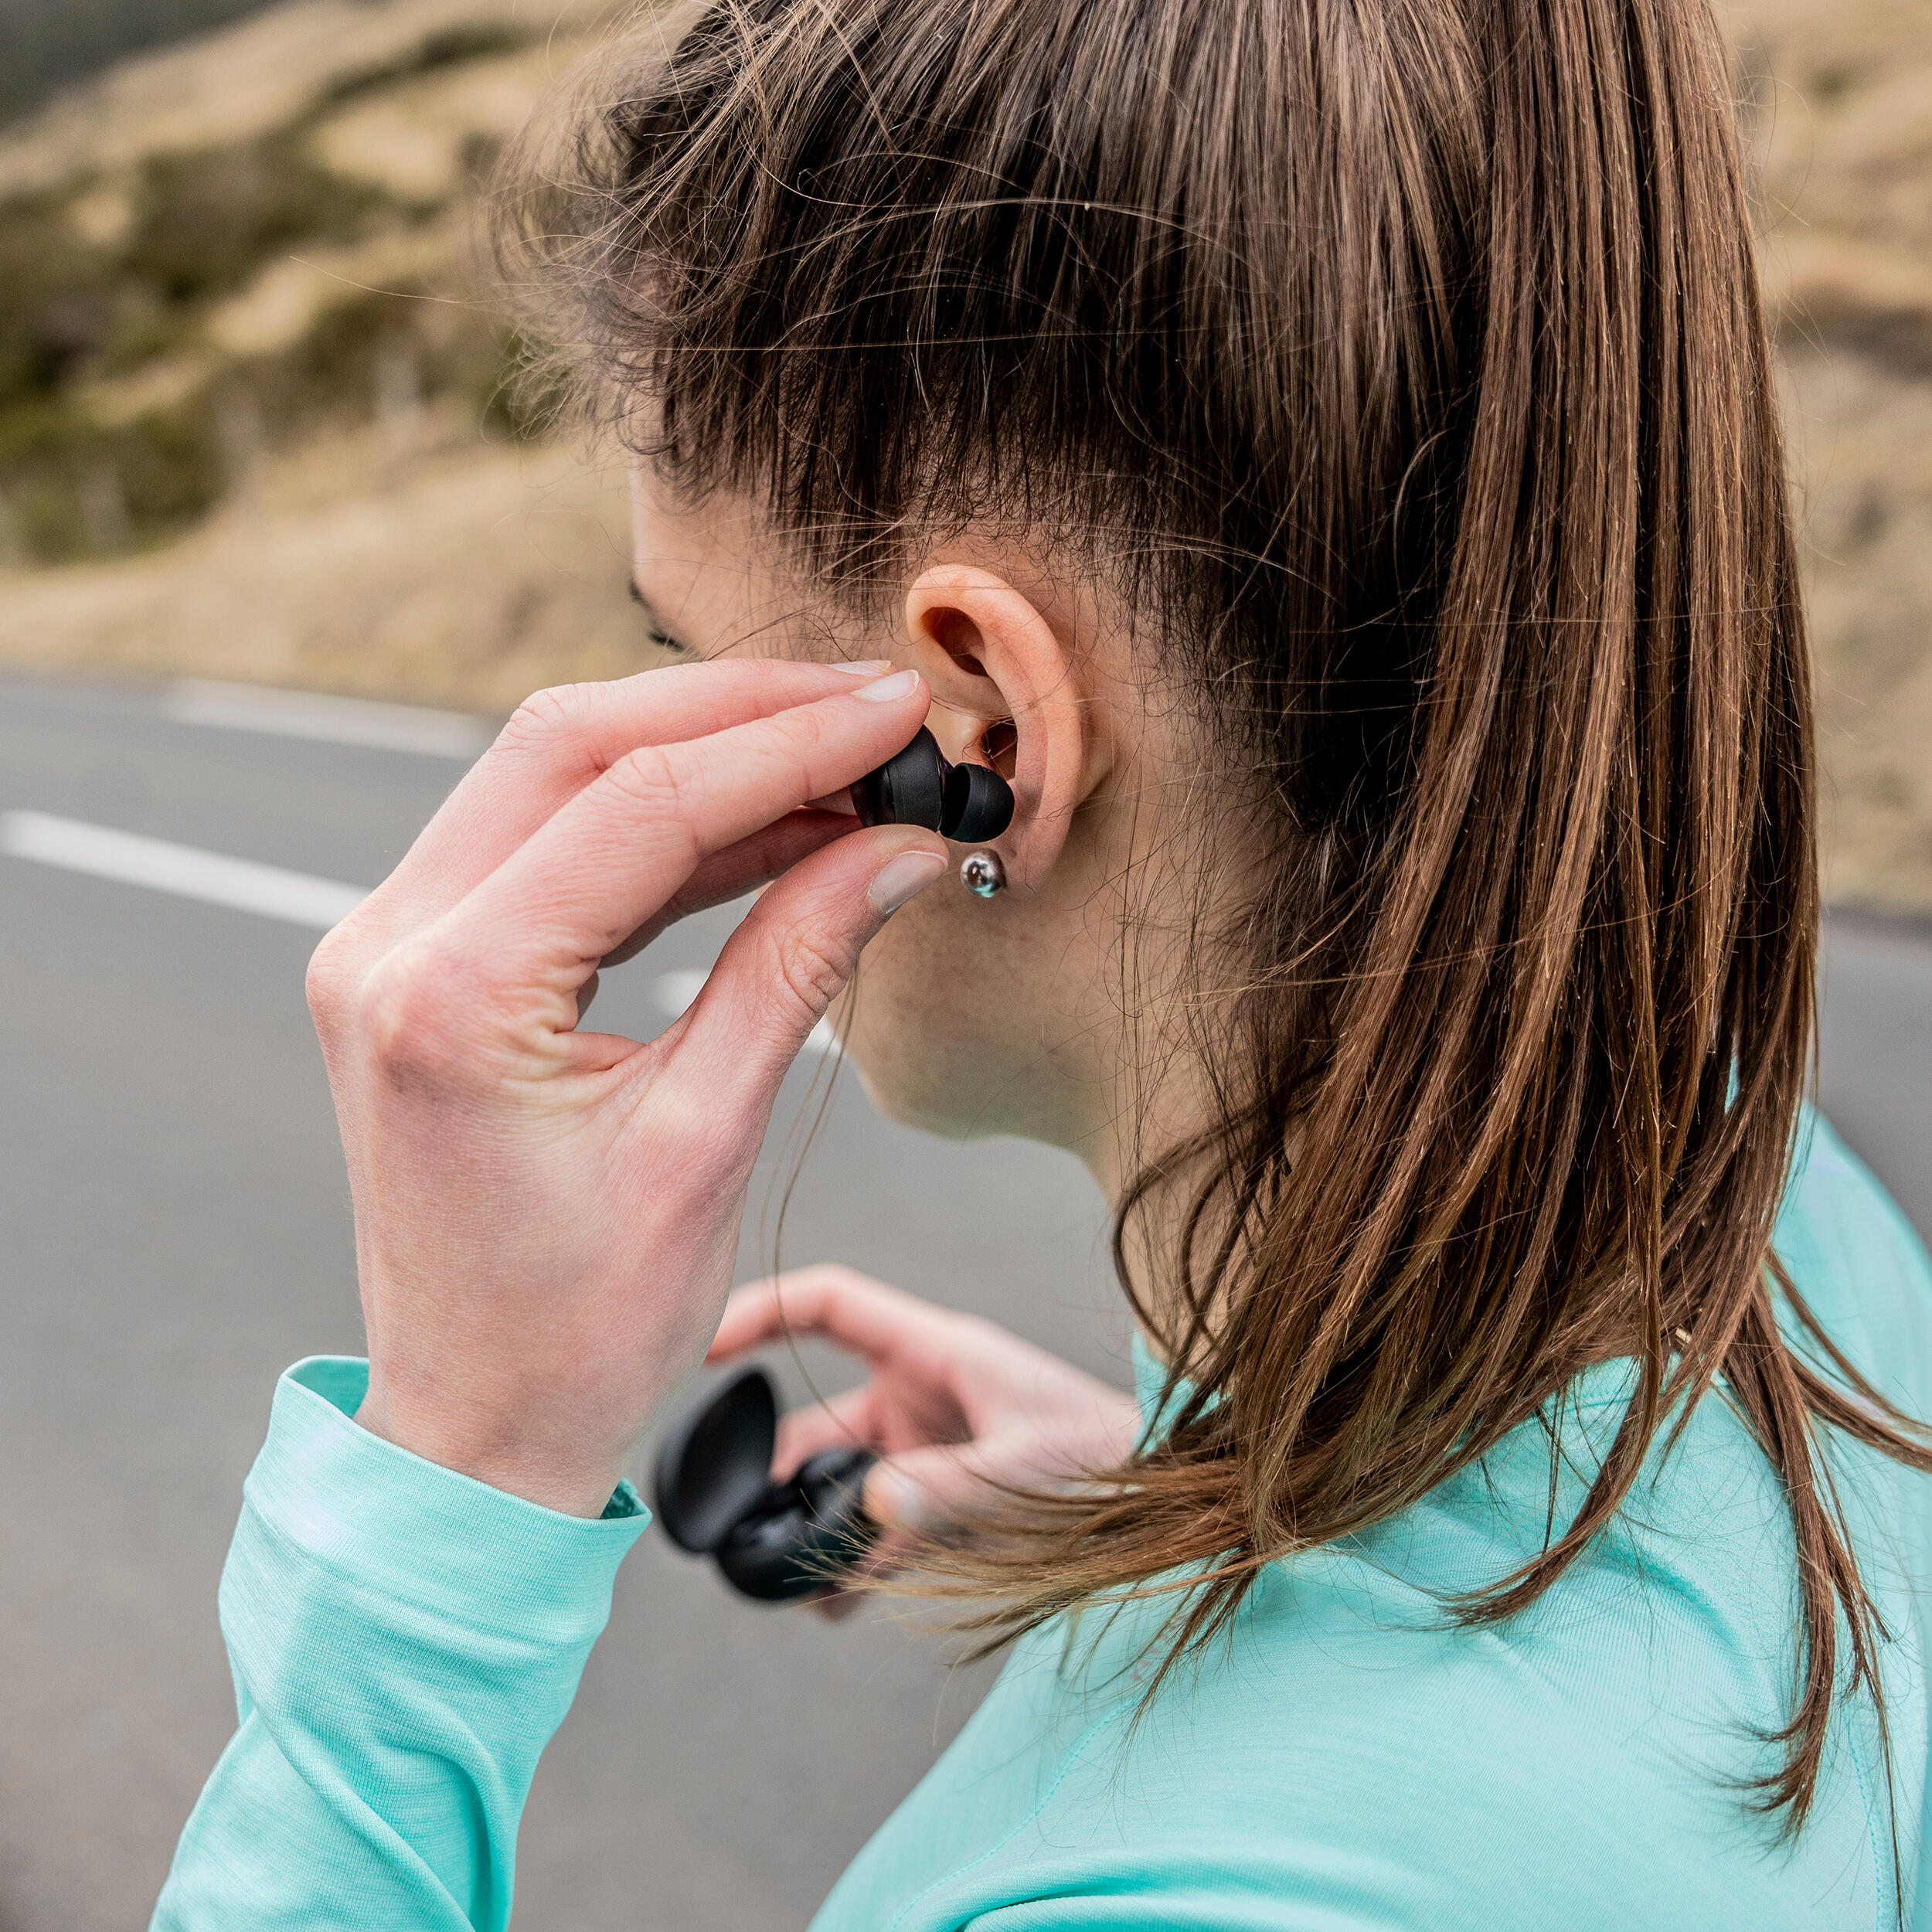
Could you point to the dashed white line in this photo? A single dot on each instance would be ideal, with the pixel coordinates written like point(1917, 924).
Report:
point(310, 714)
point(301, 899)
point(298, 897)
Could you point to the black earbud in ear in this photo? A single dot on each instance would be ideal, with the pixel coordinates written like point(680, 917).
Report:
point(977, 805)
point(715, 1497)
point(916, 786)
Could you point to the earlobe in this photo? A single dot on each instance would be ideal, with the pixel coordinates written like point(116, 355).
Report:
point(1004, 694)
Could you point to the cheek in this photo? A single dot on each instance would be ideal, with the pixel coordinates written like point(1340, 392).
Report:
point(933, 1021)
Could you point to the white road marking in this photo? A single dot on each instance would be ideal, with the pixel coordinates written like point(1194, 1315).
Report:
point(298, 897)
point(301, 898)
point(309, 714)
point(674, 992)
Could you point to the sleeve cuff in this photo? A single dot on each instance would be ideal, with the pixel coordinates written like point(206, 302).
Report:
point(385, 1520)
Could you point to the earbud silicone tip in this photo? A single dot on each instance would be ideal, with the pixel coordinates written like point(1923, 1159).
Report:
point(977, 805)
point(917, 787)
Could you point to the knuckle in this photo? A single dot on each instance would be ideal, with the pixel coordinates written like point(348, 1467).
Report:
point(805, 728)
point(555, 714)
point(329, 984)
point(854, 1292)
point(856, 1298)
point(820, 1291)
point(678, 1117)
point(812, 974)
point(812, 739)
point(835, 1277)
point(650, 778)
point(406, 1016)
point(798, 1295)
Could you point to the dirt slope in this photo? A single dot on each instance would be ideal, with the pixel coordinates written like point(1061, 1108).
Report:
point(297, 468)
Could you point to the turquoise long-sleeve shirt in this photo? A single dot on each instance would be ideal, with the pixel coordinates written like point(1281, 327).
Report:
point(404, 1642)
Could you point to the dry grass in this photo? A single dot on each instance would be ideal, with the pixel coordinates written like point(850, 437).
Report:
point(467, 578)
point(1839, 96)
point(258, 75)
point(418, 556)
point(465, 574)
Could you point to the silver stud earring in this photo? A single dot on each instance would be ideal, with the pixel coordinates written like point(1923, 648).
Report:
point(982, 874)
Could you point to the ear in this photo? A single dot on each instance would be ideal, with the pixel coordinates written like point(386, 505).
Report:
point(993, 660)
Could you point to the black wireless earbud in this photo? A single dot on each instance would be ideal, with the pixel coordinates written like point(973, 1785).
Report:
point(917, 787)
point(716, 1498)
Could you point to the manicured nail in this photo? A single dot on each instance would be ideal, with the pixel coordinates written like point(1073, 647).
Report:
point(887, 689)
point(898, 878)
point(861, 667)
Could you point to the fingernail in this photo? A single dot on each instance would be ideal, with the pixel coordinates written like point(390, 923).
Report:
point(861, 667)
point(899, 877)
point(887, 689)
point(893, 1499)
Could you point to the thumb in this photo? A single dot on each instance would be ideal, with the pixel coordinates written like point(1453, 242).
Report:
point(793, 950)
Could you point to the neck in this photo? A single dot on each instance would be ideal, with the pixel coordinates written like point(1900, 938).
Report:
point(1139, 1127)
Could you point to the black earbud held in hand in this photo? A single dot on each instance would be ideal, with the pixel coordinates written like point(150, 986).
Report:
point(970, 803)
point(715, 1496)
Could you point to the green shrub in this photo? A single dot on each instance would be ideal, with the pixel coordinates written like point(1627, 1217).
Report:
point(207, 223)
point(515, 394)
point(165, 468)
point(45, 512)
point(169, 463)
point(204, 225)
point(59, 299)
point(447, 47)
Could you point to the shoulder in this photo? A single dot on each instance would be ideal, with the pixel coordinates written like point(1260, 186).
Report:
point(1351, 1758)
point(1354, 1759)
point(1344, 1764)
point(1353, 1749)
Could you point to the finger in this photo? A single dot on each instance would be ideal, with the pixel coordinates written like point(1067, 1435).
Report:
point(792, 955)
point(737, 870)
point(600, 868)
point(841, 1422)
point(561, 741)
point(926, 1489)
point(862, 1315)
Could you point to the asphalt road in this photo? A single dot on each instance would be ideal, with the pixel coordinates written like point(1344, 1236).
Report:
point(174, 1230)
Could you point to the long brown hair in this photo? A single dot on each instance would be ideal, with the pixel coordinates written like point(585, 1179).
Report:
point(1402, 361)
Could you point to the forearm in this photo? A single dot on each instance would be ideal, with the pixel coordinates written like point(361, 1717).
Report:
point(404, 1642)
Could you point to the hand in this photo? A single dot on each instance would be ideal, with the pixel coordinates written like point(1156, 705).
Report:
point(952, 1401)
point(546, 1219)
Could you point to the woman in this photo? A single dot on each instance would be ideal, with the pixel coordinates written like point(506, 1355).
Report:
point(1325, 455)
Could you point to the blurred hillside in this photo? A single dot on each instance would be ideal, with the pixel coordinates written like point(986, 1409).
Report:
point(1838, 98)
point(48, 44)
point(253, 422)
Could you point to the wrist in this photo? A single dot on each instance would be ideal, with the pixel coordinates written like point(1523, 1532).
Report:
point(570, 1480)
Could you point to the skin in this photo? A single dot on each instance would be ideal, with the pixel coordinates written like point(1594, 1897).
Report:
point(977, 1017)
point(547, 1216)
